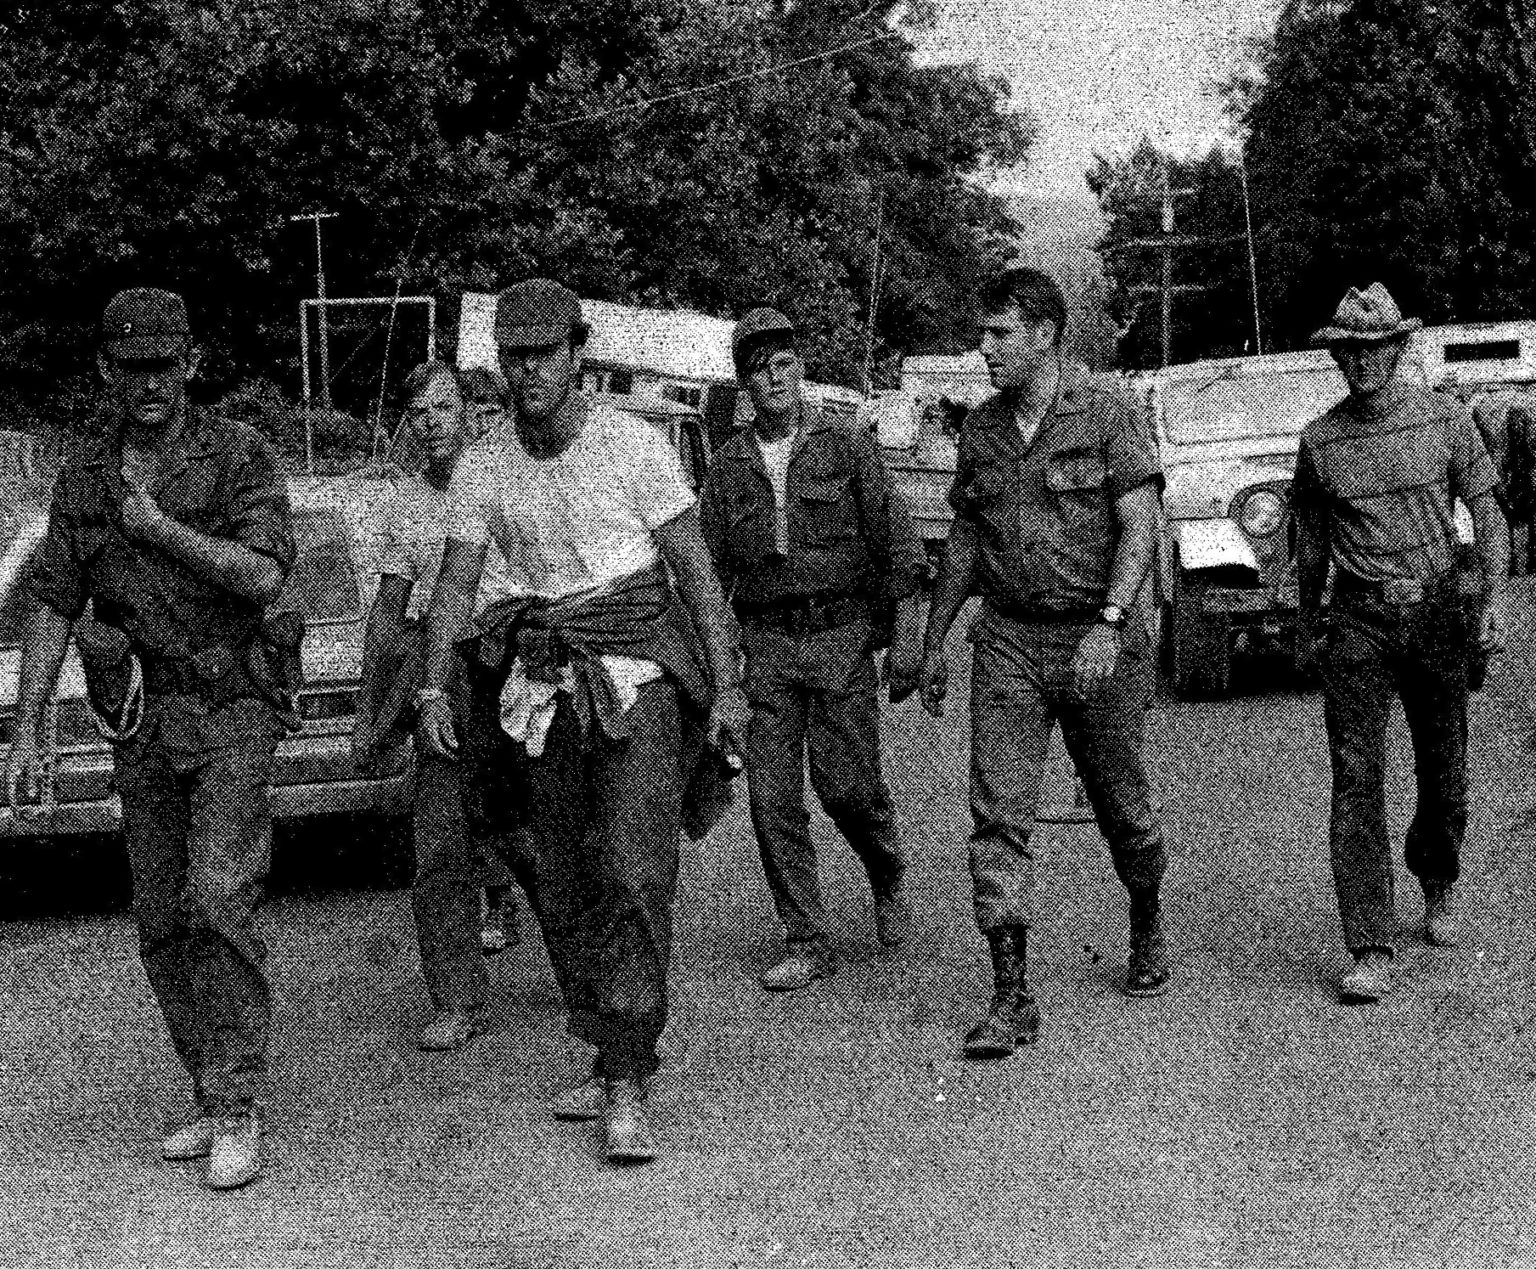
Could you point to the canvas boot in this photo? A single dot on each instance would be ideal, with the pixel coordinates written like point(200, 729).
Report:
point(627, 1134)
point(234, 1158)
point(1442, 926)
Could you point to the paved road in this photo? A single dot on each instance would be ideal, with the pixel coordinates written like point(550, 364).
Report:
point(1245, 1119)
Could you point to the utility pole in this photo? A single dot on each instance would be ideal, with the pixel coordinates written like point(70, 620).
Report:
point(1165, 244)
point(325, 342)
point(1167, 254)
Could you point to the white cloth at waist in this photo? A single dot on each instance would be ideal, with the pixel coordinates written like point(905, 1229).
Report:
point(528, 705)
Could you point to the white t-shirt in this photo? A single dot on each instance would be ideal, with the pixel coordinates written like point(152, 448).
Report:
point(776, 456)
point(565, 525)
point(576, 521)
point(412, 528)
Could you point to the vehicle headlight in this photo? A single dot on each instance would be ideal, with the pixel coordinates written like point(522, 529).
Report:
point(1262, 513)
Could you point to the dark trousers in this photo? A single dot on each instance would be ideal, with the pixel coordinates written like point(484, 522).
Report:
point(1021, 683)
point(1417, 653)
point(593, 828)
point(445, 898)
point(816, 693)
point(194, 783)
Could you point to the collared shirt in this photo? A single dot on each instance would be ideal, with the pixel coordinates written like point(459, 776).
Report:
point(567, 525)
point(226, 484)
point(1385, 472)
point(1044, 511)
point(848, 531)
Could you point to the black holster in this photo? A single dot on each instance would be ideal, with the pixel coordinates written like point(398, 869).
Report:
point(274, 664)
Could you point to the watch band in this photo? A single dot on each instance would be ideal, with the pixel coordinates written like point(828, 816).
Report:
point(425, 694)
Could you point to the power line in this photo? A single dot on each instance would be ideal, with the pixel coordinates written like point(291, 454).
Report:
point(760, 73)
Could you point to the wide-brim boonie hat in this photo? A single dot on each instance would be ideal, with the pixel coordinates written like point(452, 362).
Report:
point(1366, 317)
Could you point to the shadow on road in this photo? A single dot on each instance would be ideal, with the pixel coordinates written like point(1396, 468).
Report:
point(62, 877)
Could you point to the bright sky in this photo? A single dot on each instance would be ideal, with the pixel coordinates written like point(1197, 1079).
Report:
point(1100, 74)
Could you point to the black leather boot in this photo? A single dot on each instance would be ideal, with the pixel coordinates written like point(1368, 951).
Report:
point(1147, 972)
point(1012, 1018)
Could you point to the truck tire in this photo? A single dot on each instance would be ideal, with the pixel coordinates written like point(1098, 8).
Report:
point(1199, 645)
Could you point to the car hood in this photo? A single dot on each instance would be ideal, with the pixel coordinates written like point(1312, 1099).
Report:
point(1200, 490)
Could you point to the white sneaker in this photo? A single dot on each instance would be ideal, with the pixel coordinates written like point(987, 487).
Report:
point(191, 1141)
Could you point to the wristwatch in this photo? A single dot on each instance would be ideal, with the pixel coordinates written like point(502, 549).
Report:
point(425, 694)
point(1113, 615)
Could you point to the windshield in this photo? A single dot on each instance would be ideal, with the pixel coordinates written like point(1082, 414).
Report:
point(1232, 407)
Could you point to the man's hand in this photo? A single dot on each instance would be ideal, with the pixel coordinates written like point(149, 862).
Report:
point(365, 744)
point(904, 659)
point(728, 719)
point(933, 682)
point(1311, 639)
point(1094, 664)
point(434, 729)
point(1490, 625)
point(23, 768)
point(142, 517)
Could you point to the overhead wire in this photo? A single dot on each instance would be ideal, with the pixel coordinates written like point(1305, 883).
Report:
point(699, 89)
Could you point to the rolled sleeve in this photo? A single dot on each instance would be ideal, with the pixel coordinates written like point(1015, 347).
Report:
point(1130, 453)
point(58, 577)
point(259, 513)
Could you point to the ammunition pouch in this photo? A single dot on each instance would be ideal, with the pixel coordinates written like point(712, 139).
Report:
point(267, 666)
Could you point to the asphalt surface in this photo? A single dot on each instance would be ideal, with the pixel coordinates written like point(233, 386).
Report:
point(1244, 1119)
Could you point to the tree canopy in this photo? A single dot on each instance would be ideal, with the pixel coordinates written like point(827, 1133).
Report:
point(1206, 196)
point(1385, 140)
point(465, 143)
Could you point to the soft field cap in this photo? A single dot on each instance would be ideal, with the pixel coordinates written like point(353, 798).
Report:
point(535, 314)
point(145, 324)
point(756, 325)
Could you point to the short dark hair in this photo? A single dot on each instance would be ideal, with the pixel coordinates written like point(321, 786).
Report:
point(754, 352)
point(1036, 293)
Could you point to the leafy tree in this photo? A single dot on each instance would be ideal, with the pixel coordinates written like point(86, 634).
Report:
point(463, 143)
point(1207, 199)
point(1392, 140)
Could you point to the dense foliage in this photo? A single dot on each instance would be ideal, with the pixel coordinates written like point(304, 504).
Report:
point(1386, 140)
point(169, 141)
point(1214, 321)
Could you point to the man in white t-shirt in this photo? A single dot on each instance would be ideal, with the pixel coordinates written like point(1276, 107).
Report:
point(607, 627)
